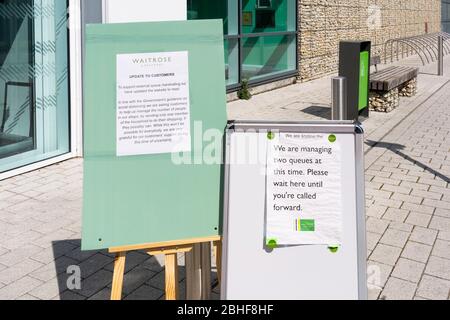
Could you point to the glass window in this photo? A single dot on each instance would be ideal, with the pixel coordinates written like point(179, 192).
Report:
point(446, 16)
point(445, 11)
point(446, 27)
point(268, 16)
point(268, 55)
point(216, 9)
point(231, 61)
point(260, 40)
point(34, 104)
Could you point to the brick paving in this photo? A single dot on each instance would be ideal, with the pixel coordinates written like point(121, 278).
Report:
point(408, 206)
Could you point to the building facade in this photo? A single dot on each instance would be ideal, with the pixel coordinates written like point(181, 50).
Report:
point(322, 24)
point(267, 42)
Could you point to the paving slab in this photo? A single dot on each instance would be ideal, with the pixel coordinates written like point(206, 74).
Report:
point(408, 204)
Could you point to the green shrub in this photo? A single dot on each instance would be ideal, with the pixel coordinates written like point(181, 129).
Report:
point(244, 93)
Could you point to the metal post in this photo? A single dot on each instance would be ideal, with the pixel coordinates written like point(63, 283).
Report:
point(440, 55)
point(339, 98)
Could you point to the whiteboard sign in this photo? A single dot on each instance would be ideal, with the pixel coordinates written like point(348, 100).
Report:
point(153, 108)
point(304, 189)
point(252, 270)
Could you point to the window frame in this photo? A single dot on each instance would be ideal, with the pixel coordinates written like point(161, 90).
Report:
point(239, 38)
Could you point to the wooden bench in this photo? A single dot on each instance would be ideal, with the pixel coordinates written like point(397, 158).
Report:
point(388, 85)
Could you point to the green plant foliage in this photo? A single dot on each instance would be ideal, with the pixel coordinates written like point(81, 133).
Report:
point(244, 93)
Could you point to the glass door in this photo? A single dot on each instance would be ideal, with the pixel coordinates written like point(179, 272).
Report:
point(34, 99)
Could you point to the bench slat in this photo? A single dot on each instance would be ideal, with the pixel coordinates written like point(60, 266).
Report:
point(392, 77)
point(388, 73)
point(391, 72)
point(393, 69)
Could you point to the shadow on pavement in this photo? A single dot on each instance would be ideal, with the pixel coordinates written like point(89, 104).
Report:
point(318, 111)
point(88, 274)
point(395, 147)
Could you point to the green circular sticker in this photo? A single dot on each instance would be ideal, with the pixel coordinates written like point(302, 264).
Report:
point(333, 249)
point(271, 136)
point(272, 243)
point(332, 138)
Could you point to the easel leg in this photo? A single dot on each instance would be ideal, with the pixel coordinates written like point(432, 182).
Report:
point(206, 271)
point(171, 276)
point(119, 269)
point(218, 250)
point(193, 273)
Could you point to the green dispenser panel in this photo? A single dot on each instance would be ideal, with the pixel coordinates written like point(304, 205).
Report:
point(363, 79)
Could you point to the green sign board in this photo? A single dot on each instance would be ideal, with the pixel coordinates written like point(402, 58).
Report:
point(363, 80)
point(154, 117)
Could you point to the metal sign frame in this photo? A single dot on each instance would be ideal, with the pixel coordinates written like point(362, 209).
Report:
point(335, 127)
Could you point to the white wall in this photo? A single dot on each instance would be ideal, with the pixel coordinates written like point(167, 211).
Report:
point(117, 11)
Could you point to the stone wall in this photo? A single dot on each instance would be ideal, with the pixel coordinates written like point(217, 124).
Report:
point(323, 23)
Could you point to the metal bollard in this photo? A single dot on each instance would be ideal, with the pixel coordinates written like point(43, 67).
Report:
point(339, 98)
point(440, 55)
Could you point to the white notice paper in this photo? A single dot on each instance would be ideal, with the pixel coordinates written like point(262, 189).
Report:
point(304, 189)
point(153, 108)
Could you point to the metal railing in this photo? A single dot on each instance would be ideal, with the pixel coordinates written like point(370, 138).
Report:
point(425, 46)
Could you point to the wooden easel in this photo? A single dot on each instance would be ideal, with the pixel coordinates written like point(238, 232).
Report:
point(198, 265)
